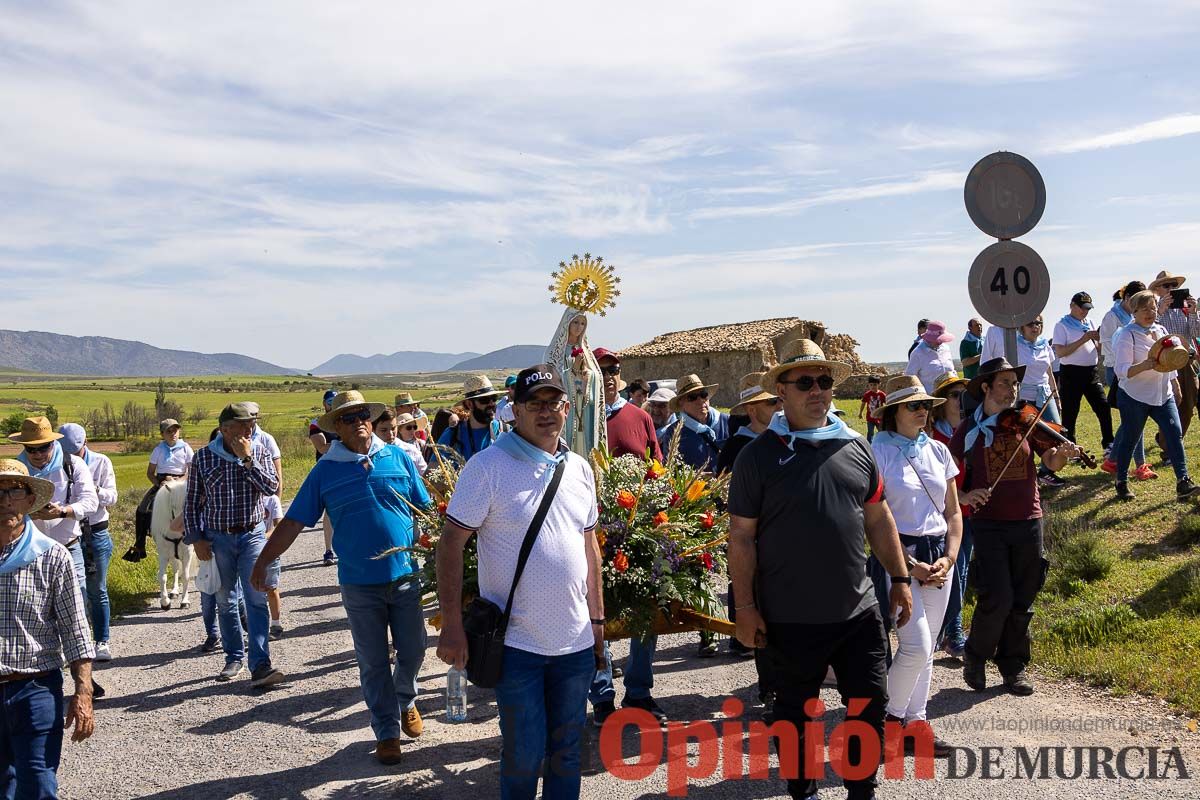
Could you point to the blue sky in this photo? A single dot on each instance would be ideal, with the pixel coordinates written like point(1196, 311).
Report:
point(293, 182)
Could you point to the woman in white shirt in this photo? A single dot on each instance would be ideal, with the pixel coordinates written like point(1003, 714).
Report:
point(918, 472)
point(1114, 320)
point(169, 460)
point(931, 358)
point(1143, 391)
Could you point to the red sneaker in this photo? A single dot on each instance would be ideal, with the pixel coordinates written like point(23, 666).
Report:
point(1144, 473)
point(1109, 466)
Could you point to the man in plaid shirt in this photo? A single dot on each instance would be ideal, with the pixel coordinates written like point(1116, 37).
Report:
point(42, 626)
point(224, 517)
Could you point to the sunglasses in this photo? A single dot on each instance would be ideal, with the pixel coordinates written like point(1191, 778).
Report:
point(410, 427)
point(351, 417)
point(1035, 324)
point(614, 369)
point(16, 493)
point(954, 394)
point(40, 448)
point(694, 396)
point(805, 383)
point(919, 405)
point(1170, 286)
point(538, 406)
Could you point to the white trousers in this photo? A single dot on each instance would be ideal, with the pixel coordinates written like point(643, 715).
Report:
point(912, 664)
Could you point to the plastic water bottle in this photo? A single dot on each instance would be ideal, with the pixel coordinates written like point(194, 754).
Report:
point(456, 695)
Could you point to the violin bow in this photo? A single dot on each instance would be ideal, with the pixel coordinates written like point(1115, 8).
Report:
point(1036, 420)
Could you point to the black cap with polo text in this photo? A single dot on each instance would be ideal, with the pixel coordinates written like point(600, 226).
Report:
point(539, 376)
point(1082, 299)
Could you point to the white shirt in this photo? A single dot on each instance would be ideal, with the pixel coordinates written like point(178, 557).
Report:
point(105, 480)
point(274, 509)
point(83, 501)
point(993, 344)
point(1132, 347)
point(497, 496)
point(929, 364)
point(171, 462)
point(1085, 355)
point(915, 513)
point(268, 442)
point(504, 411)
point(413, 449)
point(1109, 325)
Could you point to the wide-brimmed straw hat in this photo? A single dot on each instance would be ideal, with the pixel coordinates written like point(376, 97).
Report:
point(43, 490)
point(946, 381)
point(405, 419)
point(345, 401)
point(406, 399)
point(905, 389)
point(750, 390)
point(477, 387)
point(805, 353)
point(35, 430)
point(989, 368)
point(1165, 277)
point(1169, 354)
point(685, 386)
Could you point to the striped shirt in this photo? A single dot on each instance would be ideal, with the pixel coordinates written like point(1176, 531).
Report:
point(42, 624)
point(223, 494)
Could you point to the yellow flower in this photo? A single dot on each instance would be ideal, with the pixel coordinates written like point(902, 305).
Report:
point(655, 470)
point(695, 491)
point(601, 538)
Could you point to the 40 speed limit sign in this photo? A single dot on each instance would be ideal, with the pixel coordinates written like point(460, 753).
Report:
point(1009, 284)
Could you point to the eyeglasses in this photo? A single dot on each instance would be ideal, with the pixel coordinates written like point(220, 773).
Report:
point(16, 493)
point(410, 427)
point(805, 383)
point(351, 417)
point(919, 405)
point(694, 396)
point(614, 369)
point(40, 448)
point(538, 406)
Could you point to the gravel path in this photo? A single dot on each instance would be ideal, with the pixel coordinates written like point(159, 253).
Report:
point(167, 730)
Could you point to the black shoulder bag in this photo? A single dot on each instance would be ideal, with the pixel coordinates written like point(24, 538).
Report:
point(484, 623)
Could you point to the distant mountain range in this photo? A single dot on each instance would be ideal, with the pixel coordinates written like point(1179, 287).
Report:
point(400, 361)
point(58, 354)
point(516, 357)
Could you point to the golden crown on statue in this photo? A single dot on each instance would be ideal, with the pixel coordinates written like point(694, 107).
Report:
point(586, 284)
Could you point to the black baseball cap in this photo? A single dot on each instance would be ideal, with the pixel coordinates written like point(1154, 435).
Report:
point(1082, 299)
point(539, 376)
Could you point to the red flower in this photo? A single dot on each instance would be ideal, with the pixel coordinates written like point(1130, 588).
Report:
point(661, 518)
point(707, 520)
point(620, 561)
point(425, 541)
point(576, 352)
point(441, 508)
point(708, 561)
point(674, 498)
point(625, 499)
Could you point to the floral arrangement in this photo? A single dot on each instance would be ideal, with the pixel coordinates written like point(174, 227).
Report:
point(660, 535)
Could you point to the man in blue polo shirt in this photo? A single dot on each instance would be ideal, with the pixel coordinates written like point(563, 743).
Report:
point(366, 486)
point(480, 429)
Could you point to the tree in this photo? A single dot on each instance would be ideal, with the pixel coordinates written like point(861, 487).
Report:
point(198, 414)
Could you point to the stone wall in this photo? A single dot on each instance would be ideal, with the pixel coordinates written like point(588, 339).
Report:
point(726, 369)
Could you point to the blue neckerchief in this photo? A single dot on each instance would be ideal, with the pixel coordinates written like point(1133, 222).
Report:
point(745, 431)
point(30, 544)
point(1082, 325)
point(972, 338)
point(833, 429)
point(521, 449)
point(985, 427)
point(943, 427)
point(620, 403)
point(910, 447)
point(217, 446)
point(179, 445)
point(695, 426)
point(1033, 347)
point(338, 452)
point(671, 420)
point(1119, 310)
point(1134, 327)
point(89, 457)
point(53, 465)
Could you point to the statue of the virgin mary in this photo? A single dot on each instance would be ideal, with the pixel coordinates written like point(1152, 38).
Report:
point(584, 286)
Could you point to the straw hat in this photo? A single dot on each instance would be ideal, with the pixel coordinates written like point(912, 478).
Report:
point(35, 430)
point(906, 388)
point(1169, 354)
point(405, 419)
point(479, 386)
point(685, 386)
point(1165, 277)
point(946, 381)
point(344, 401)
point(805, 353)
point(751, 390)
point(406, 399)
point(43, 490)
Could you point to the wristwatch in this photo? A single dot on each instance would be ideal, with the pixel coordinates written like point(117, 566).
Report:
point(905, 579)
point(247, 461)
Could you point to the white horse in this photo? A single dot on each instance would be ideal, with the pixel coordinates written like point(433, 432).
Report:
point(168, 506)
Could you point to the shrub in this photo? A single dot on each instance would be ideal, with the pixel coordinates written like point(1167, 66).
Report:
point(1085, 556)
point(1091, 626)
point(140, 444)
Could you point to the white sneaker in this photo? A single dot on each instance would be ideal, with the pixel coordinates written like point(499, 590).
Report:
point(103, 653)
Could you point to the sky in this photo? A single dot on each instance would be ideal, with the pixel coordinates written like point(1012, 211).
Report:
point(296, 180)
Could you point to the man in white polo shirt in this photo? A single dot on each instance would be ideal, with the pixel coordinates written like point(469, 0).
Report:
point(555, 634)
point(1078, 347)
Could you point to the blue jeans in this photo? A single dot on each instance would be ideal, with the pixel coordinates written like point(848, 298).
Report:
point(639, 673)
point(235, 554)
point(952, 629)
point(208, 609)
point(372, 611)
point(1139, 447)
point(543, 708)
point(31, 734)
point(101, 547)
point(76, 551)
point(871, 426)
point(1133, 422)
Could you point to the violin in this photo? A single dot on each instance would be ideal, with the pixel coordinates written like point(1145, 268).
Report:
point(1043, 435)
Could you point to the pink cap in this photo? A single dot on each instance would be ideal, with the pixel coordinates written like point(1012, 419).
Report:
point(935, 333)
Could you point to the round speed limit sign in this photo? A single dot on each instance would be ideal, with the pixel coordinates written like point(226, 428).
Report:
point(1009, 284)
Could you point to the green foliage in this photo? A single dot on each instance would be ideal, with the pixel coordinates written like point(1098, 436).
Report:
point(1092, 626)
point(51, 413)
point(12, 423)
point(1085, 557)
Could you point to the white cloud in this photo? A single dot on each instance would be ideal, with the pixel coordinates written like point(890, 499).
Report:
point(1166, 128)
